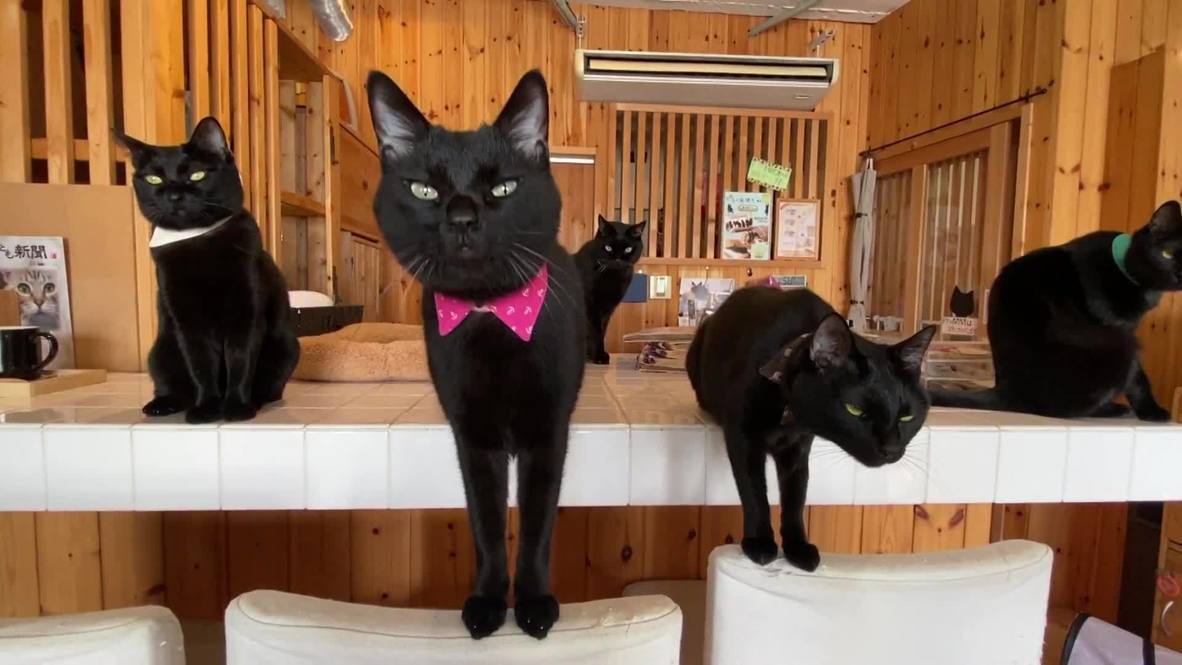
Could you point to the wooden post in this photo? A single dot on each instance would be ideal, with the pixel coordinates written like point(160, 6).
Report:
point(59, 112)
point(14, 93)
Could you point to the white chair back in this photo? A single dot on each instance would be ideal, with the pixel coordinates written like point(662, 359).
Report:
point(275, 628)
point(132, 636)
point(981, 606)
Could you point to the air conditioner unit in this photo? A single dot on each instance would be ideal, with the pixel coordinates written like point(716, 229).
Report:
point(696, 79)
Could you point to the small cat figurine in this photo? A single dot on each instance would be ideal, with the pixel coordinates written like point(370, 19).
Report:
point(224, 346)
point(1062, 324)
point(962, 303)
point(36, 290)
point(605, 265)
point(473, 216)
point(776, 368)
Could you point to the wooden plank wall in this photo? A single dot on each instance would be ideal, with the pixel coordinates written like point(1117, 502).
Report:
point(989, 52)
point(460, 60)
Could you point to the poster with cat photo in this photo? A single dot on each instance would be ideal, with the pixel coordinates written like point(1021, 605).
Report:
point(34, 267)
point(747, 225)
point(699, 297)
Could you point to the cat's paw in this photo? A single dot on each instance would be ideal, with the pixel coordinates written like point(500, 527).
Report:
point(602, 358)
point(163, 405)
point(536, 614)
point(235, 411)
point(206, 412)
point(1112, 410)
point(1153, 413)
point(760, 550)
point(483, 615)
point(803, 554)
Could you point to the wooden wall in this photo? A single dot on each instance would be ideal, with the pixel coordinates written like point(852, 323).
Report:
point(460, 60)
point(978, 54)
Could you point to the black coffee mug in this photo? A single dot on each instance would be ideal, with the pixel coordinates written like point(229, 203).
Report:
point(20, 352)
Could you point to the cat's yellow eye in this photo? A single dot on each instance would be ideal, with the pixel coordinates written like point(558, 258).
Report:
point(854, 411)
point(1167, 254)
point(504, 189)
point(153, 179)
point(197, 176)
point(907, 418)
point(423, 191)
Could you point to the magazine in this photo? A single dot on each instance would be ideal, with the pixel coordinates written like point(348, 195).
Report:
point(701, 297)
point(34, 267)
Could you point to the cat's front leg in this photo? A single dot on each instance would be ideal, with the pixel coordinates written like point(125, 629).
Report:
point(748, 459)
point(203, 357)
point(539, 470)
point(242, 354)
point(485, 472)
point(1140, 394)
point(172, 386)
point(792, 470)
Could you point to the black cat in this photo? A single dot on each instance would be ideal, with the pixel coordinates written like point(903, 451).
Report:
point(1062, 323)
point(474, 217)
point(775, 368)
point(962, 303)
point(605, 265)
point(224, 346)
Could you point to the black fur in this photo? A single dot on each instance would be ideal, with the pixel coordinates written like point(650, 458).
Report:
point(224, 346)
point(503, 396)
point(605, 265)
point(772, 390)
point(962, 303)
point(1062, 324)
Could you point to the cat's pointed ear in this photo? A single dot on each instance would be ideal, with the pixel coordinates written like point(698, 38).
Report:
point(136, 149)
point(637, 229)
point(910, 352)
point(397, 122)
point(832, 343)
point(605, 226)
point(525, 120)
point(1167, 221)
point(209, 138)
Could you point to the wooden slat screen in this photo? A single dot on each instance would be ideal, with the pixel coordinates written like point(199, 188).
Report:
point(892, 209)
point(671, 166)
point(954, 220)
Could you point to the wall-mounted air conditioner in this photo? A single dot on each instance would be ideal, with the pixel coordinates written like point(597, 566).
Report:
point(696, 79)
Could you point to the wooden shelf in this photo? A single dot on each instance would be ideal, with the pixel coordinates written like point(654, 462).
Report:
point(296, 62)
point(298, 205)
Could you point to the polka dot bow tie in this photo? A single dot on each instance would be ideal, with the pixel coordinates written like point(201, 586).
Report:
point(517, 309)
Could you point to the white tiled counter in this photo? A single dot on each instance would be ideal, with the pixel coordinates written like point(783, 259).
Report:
point(636, 439)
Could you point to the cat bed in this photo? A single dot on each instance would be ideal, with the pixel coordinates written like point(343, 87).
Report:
point(365, 352)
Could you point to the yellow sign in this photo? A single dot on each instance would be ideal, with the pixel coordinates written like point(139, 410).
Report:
point(768, 174)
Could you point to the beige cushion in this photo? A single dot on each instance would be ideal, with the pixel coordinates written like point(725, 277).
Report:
point(275, 628)
point(132, 636)
point(980, 606)
point(365, 352)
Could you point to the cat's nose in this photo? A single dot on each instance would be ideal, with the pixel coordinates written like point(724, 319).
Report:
point(174, 197)
point(461, 214)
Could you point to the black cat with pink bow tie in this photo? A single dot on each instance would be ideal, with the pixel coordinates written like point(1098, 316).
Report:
point(473, 216)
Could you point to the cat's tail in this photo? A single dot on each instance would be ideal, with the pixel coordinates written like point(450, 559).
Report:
point(986, 400)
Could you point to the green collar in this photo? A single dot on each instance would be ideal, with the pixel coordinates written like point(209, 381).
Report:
point(1120, 247)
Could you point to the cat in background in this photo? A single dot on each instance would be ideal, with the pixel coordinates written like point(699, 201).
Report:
point(224, 346)
point(1063, 321)
point(606, 264)
point(775, 368)
point(36, 290)
point(473, 216)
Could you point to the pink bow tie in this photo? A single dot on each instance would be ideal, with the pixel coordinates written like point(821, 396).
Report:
point(517, 309)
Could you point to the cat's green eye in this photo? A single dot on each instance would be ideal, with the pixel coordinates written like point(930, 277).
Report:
point(153, 179)
point(504, 189)
point(423, 191)
point(24, 290)
point(907, 418)
point(854, 411)
point(1167, 254)
point(197, 176)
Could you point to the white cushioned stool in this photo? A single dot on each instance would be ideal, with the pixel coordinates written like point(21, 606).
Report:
point(980, 606)
point(132, 636)
point(275, 628)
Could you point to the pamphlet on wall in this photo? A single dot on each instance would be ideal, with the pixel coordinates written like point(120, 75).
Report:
point(34, 267)
point(747, 225)
point(700, 298)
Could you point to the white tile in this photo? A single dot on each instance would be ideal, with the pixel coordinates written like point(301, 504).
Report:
point(262, 468)
point(1157, 458)
point(962, 464)
point(347, 467)
point(88, 467)
point(22, 468)
point(903, 482)
point(176, 468)
point(596, 468)
point(720, 478)
point(1031, 464)
point(424, 471)
point(668, 466)
point(1099, 460)
point(832, 474)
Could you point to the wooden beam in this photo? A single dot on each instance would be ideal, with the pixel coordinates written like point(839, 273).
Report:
point(100, 107)
point(59, 111)
point(14, 93)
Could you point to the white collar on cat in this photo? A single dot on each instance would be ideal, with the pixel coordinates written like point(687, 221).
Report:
point(162, 236)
